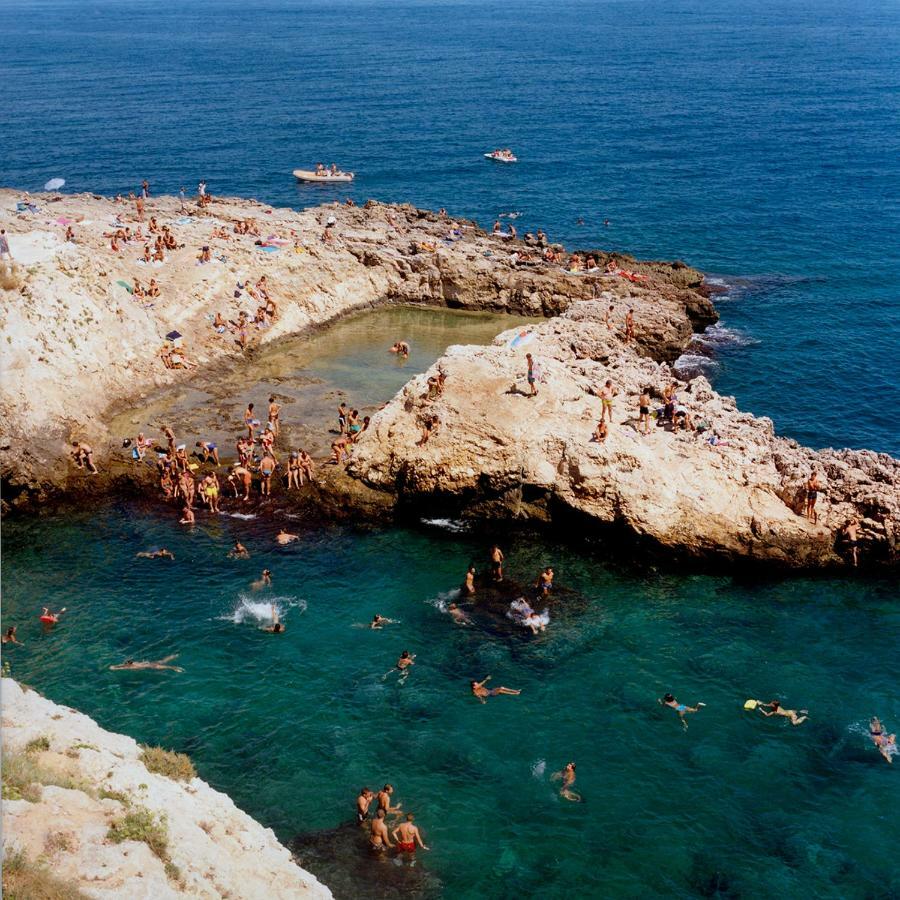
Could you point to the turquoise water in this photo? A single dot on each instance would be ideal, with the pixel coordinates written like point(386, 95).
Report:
point(755, 139)
point(292, 725)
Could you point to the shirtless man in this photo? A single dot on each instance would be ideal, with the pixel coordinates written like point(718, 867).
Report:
point(306, 462)
point(283, 537)
point(851, 535)
point(496, 563)
point(482, 693)
point(406, 660)
point(779, 710)
point(240, 475)
point(155, 554)
point(379, 839)
point(274, 416)
point(84, 456)
point(601, 432)
point(343, 409)
point(644, 412)
point(629, 326)
point(250, 420)
point(187, 516)
point(469, 583)
point(363, 801)
point(207, 451)
point(266, 469)
point(568, 779)
point(544, 582)
point(265, 580)
point(379, 621)
point(680, 708)
point(607, 392)
point(407, 836)
point(384, 800)
point(813, 486)
point(532, 388)
point(158, 664)
point(238, 551)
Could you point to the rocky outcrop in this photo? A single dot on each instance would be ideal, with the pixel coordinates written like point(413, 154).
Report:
point(214, 850)
point(502, 454)
point(78, 343)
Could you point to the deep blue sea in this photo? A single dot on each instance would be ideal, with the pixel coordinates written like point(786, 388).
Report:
point(759, 141)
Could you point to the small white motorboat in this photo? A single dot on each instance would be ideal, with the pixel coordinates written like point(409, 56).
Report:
point(325, 178)
point(504, 156)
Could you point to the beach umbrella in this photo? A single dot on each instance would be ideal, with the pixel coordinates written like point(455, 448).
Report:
point(54, 184)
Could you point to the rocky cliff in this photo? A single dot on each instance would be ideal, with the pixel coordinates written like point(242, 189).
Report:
point(107, 825)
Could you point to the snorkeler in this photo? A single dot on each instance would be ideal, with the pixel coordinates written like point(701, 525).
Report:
point(680, 708)
point(481, 692)
point(162, 553)
point(157, 664)
point(886, 743)
point(265, 580)
point(277, 626)
point(568, 779)
point(779, 710)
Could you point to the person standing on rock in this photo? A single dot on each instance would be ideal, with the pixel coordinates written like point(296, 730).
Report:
point(363, 801)
point(813, 486)
point(531, 376)
point(607, 392)
point(379, 839)
point(274, 416)
point(407, 836)
point(469, 583)
point(496, 563)
point(629, 326)
point(850, 534)
point(5, 255)
point(266, 470)
point(644, 412)
point(607, 318)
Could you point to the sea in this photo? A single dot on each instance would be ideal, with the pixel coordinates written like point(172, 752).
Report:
point(757, 141)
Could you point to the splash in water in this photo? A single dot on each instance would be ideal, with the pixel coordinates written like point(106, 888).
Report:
point(256, 611)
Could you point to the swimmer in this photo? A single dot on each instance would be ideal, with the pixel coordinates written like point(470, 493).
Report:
point(401, 348)
point(187, 516)
point(680, 708)
point(458, 615)
point(378, 833)
point(157, 664)
point(155, 554)
point(51, 618)
point(534, 621)
point(10, 636)
point(779, 710)
point(469, 583)
point(363, 801)
point(886, 743)
point(568, 779)
point(407, 836)
point(405, 661)
point(283, 537)
point(277, 626)
point(379, 621)
point(482, 693)
point(384, 800)
point(265, 580)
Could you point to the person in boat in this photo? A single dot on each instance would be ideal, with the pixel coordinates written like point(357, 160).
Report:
point(152, 664)
point(320, 169)
point(482, 693)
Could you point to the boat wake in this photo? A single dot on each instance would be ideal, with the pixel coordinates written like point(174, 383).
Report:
point(259, 611)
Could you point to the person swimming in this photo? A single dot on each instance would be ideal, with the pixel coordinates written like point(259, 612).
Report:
point(154, 664)
point(886, 743)
point(482, 693)
point(779, 710)
point(379, 621)
point(51, 618)
point(568, 779)
point(265, 580)
point(681, 708)
point(162, 553)
point(277, 626)
point(458, 615)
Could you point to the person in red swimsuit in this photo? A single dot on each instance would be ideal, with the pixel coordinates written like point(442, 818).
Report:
point(408, 836)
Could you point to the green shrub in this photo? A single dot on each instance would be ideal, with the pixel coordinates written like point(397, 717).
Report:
point(177, 766)
point(140, 824)
point(38, 745)
point(105, 794)
point(26, 880)
point(23, 776)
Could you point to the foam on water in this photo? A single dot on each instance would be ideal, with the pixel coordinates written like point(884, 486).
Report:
point(245, 516)
point(257, 608)
point(452, 525)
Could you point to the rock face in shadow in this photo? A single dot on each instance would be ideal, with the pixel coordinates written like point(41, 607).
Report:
point(499, 453)
point(81, 345)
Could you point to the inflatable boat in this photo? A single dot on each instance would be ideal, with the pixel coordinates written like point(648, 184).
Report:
point(327, 178)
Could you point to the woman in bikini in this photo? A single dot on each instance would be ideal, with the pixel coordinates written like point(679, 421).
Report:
point(681, 708)
point(779, 710)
